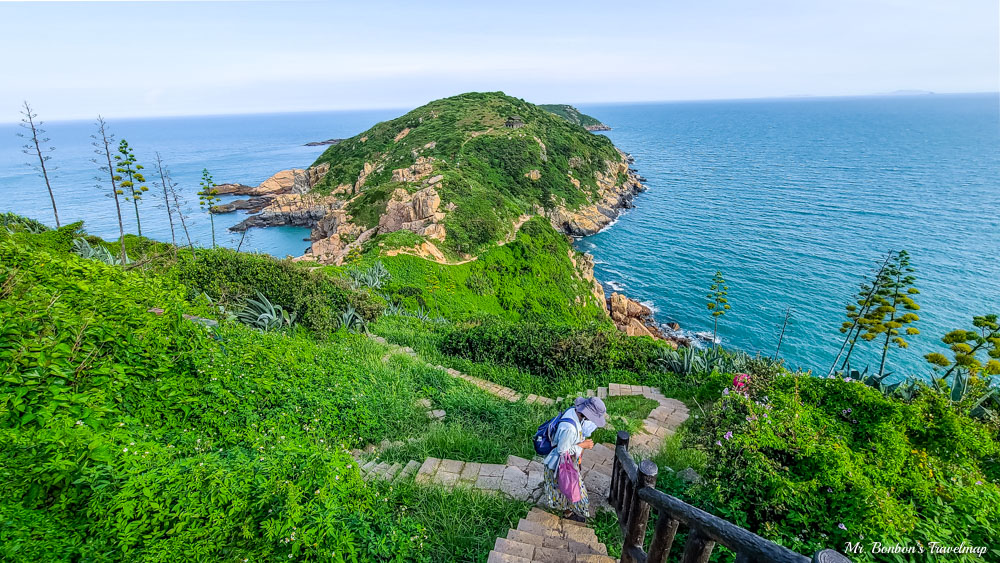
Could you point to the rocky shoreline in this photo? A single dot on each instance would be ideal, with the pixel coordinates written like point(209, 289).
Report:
point(614, 197)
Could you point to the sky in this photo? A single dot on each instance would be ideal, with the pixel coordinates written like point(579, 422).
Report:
point(73, 60)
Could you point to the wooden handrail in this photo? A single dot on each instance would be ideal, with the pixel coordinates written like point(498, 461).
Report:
point(633, 495)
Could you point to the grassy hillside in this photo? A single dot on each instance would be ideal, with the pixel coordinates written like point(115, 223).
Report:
point(500, 157)
point(127, 435)
point(530, 278)
point(573, 115)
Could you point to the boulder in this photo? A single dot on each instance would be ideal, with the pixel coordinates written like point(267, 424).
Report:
point(408, 211)
point(420, 169)
point(634, 318)
point(234, 189)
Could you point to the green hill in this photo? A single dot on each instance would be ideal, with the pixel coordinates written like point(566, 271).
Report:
point(573, 115)
point(462, 173)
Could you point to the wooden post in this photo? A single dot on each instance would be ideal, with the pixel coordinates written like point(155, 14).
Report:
point(621, 441)
point(698, 548)
point(663, 538)
point(829, 556)
point(638, 512)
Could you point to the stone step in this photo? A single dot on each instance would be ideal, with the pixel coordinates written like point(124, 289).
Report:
point(602, 392)
point(392, 471)
point(427, 470)
point(515, 548)
point(497, 557)
point(409, 470)
point(367, 467)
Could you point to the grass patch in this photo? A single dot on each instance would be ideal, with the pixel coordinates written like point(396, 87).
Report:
point(624, 413)
point(460, 525)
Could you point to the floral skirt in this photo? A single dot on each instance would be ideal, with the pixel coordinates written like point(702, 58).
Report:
point(558, 501)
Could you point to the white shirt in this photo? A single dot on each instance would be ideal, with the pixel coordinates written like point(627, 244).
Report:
point(567, 437)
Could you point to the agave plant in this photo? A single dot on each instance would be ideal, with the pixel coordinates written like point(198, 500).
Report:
point(375, 277)
point(263, 314)
point(682, 361)
point(352, 321)
point(84, 249)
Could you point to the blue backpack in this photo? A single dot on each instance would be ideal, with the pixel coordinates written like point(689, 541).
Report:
point(543, 437)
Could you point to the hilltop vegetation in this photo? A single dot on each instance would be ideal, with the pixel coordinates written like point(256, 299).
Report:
point(573, 115)
point(488, 157)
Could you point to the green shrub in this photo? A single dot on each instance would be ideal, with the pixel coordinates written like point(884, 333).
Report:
point(816, 463)
point(551, 350)
point(317, 299)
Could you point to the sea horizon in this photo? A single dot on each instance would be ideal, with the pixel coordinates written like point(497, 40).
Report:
point(401, 108)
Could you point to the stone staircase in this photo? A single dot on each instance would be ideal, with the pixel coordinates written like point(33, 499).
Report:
point(518, 478)
point(541, 537)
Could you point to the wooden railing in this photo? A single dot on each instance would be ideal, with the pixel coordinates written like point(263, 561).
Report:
point(633, 495)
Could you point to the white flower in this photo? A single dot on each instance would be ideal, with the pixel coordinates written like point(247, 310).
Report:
point(125, 449)
point(79, 423)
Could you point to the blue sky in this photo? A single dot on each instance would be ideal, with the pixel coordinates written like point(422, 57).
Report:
point(77, 59)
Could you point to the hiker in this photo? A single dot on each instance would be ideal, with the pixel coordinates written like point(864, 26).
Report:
point(568, 442)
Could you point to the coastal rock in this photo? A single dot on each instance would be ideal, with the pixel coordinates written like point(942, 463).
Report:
point(234, 189)
point(634, 318)
point(291, 181)
point(612, 198)
point(252, 205)
point(417, 212)
point(422, 168)
point(294, 181)
point(290, 209)
point(584, 264)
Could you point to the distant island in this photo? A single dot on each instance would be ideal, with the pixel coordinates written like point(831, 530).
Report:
point(322, 143)
point(573, 115)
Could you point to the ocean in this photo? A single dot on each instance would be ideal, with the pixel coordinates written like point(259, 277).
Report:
point(793, 200)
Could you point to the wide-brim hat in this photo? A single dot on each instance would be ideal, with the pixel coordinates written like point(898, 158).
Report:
point(592, 408)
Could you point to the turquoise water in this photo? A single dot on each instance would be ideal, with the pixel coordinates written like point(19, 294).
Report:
point(244, 149)
point(792, 199)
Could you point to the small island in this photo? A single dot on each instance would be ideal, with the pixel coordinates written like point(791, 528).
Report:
point(573, 115)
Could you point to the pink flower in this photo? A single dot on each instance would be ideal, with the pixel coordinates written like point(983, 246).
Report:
point(729, 435)
point(842, 526)
point(718, 443)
